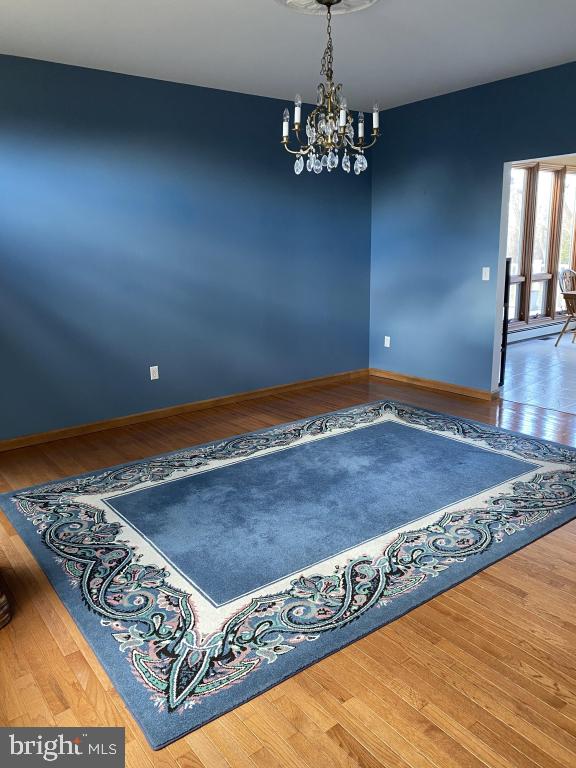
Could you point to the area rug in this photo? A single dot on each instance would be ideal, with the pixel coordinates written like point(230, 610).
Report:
point(202, 578)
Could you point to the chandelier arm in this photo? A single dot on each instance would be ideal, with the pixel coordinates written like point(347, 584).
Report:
point(361, 147)
point(304, 148)
point(302, 151)
point(350, 145)
point(374, 140)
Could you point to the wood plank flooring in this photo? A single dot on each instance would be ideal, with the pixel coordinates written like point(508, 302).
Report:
point(484, 675)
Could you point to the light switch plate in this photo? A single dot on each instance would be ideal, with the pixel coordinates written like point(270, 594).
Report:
point(485, 273)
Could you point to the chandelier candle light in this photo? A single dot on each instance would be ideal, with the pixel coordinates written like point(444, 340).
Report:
point(330, 126)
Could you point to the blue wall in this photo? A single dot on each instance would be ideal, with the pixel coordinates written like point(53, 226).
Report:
point(437, 193)
point(144, 222)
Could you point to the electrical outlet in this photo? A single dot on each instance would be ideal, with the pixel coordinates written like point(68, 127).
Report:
point(485, 274)
point(386, 341)
point(154, 374)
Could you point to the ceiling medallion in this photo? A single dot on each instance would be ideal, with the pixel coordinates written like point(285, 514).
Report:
point(312, 6)
point(330, 125)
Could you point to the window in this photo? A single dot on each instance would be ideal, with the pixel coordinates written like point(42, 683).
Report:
point(538, 290)
point(516, 218)
point(542, 222)
point(567, 233)
point(541, 239)
point(514, 302)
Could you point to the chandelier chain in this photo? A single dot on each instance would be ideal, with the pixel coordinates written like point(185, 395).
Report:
point(327, 68)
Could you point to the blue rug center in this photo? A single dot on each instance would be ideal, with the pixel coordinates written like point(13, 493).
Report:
point(235, 529)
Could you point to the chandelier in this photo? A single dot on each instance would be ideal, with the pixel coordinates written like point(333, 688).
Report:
point(330, 126)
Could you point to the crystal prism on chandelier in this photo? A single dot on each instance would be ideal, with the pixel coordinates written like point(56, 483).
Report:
point(330, 126)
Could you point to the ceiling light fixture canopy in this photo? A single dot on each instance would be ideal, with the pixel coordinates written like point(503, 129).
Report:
point(330, 125)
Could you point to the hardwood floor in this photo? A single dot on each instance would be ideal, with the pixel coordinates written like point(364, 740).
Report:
point(484, 675)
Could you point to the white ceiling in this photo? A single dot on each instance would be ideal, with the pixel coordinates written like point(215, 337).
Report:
point(559, 159)
point(396, 52)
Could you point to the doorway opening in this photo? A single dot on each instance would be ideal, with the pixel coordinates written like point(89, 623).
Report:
point(540, 246)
